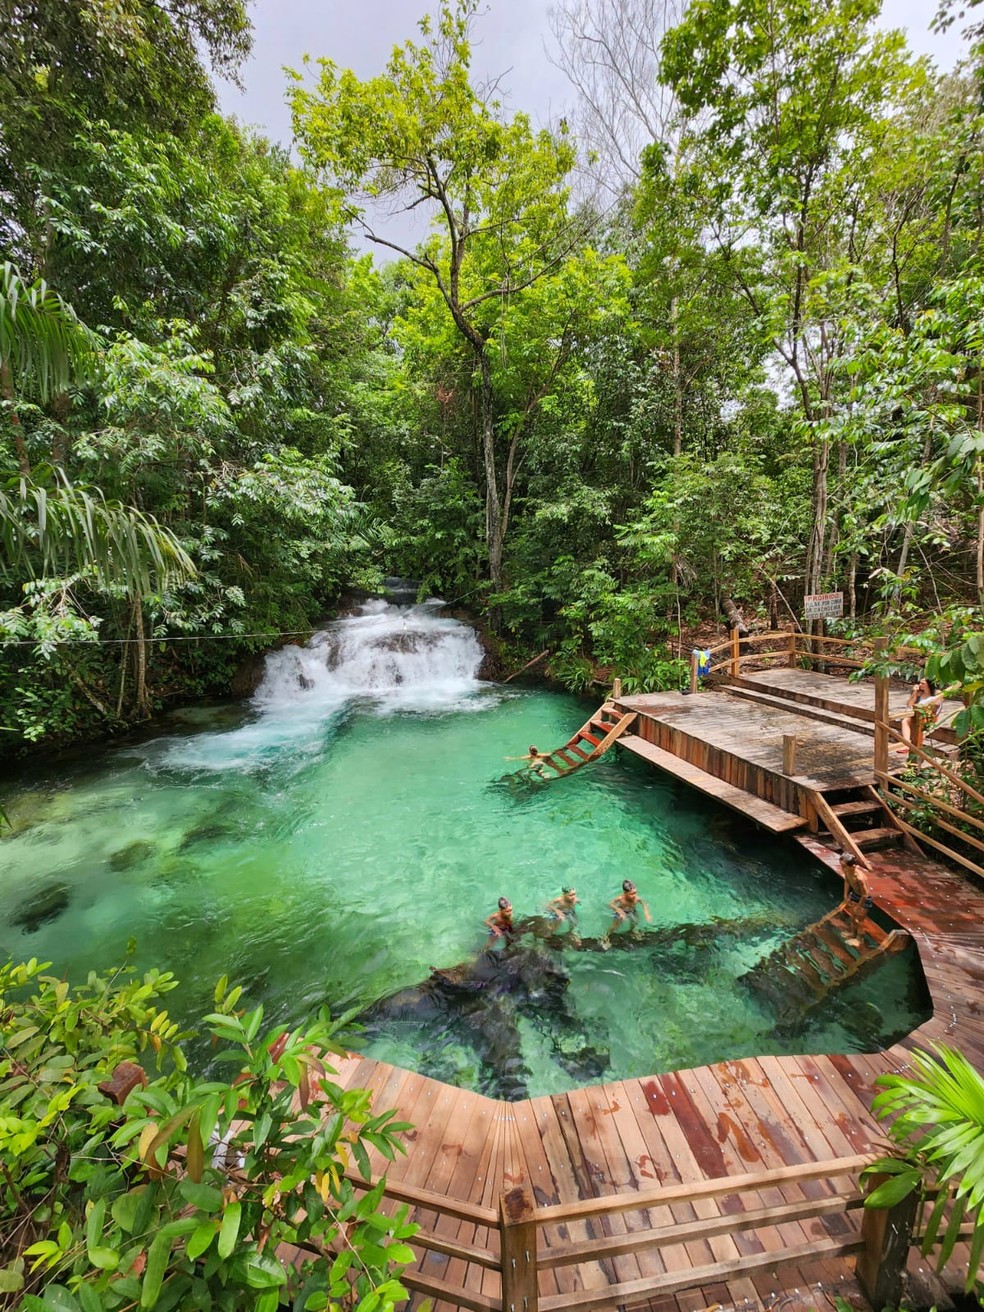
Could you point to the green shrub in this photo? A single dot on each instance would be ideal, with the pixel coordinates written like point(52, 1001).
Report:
point(192, 1194)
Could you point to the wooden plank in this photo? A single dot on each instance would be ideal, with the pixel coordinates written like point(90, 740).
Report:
point(627, 1293)
point(728, 1223)
point(762, 812)
point(733, 1184)
point(669, 1158)
point(838, 831)
point(590, 1109)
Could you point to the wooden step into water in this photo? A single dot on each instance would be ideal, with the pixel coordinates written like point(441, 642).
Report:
point(592, 740)
point(799, 975)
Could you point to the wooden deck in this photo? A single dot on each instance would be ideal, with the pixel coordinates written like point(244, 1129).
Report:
point(724, 1120)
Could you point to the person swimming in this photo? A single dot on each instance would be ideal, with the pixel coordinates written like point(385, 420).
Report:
point(500, 923)
point(564, 907)
point(626, 905)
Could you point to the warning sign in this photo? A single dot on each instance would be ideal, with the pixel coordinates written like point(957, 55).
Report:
point(823, 606)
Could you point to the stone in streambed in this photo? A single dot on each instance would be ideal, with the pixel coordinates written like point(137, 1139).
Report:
point(125, 858)
point(43, 907)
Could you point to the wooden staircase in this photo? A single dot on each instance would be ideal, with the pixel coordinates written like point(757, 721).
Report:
point(797, 977)
point(592, 740)
point(857, 820)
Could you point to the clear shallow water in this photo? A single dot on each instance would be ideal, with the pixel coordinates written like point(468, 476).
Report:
point(347, 831)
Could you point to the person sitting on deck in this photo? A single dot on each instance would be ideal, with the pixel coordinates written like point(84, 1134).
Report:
point(564, 907)
point(500, 923)
point(924, 706)
point(626, 905)
point(857, 900)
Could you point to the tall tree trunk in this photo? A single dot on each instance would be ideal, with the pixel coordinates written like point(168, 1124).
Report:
point(493, 507)
point(140, 701)
point(677, 423)
point(818, 527)
point(677, 380)
point(980, 533)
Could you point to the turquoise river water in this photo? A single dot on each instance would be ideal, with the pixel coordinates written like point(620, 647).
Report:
point(351, 828)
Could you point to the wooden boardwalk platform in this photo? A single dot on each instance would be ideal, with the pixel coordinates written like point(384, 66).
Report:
point(728, 1119)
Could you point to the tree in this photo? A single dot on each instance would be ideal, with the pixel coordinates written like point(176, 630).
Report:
point(610, 51)
point(792, 100)
point(422, 135)
point(66, 63)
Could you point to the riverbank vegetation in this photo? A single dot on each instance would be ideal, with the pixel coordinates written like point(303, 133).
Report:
point(712, 341)
point(127, 1182)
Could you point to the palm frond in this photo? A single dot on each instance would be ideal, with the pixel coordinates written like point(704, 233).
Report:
point(43, 343)
point(67, 529)
point(937, 1120)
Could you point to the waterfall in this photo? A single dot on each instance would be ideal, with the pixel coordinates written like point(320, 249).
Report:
point(402, 657)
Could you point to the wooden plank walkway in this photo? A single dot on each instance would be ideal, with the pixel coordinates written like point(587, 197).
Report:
point(764, 813)
point(722, 1120)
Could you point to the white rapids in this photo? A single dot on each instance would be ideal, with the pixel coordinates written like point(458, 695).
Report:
point(402, 657)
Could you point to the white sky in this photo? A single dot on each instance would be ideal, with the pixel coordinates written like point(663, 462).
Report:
point(510, 42)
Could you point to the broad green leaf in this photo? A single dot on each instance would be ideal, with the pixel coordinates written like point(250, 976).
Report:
point(229, 1231)
point(153, 1276)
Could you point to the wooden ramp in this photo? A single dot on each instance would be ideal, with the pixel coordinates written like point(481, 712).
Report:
point(592, 740)
point(802, 973)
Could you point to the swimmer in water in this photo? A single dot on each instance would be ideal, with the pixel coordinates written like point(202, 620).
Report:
point(565, 906)
point(500, 923)
point(626, 906)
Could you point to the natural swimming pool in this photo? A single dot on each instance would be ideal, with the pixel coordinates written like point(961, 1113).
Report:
point(349, 829)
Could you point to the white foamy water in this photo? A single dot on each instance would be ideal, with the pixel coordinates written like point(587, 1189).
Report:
point(403, 657)
point(396, 658)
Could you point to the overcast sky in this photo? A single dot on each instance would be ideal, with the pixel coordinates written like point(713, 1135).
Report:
point(509, 42)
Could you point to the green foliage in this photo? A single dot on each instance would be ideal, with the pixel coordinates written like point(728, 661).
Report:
point(65, 529)
point(43, 346)
point(183, 1196)
point(937, 1123)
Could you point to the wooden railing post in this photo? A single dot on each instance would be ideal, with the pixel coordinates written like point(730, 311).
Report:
point(735, 653)
point(517, 1244)
point(694, 665)
point(791, 658)
point(887, 1236)
point(881, 712)
point(616, 689)
point(789, 753)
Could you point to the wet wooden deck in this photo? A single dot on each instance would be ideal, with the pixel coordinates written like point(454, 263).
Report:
point(721, 1120)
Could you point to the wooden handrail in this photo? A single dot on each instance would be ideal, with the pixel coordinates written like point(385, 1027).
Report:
point(408, 1193)
point(594, 1250)
point(630, 1291)
point(520, 1258)
point(908, 787)
point(687, 1193)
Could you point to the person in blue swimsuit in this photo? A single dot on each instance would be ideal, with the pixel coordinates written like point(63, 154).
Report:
point(626, 906)
point(564, 908)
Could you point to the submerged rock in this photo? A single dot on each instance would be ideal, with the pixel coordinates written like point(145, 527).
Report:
point(44, 906)
point(478, 1003)
point(125, 858)
point(204, 833)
